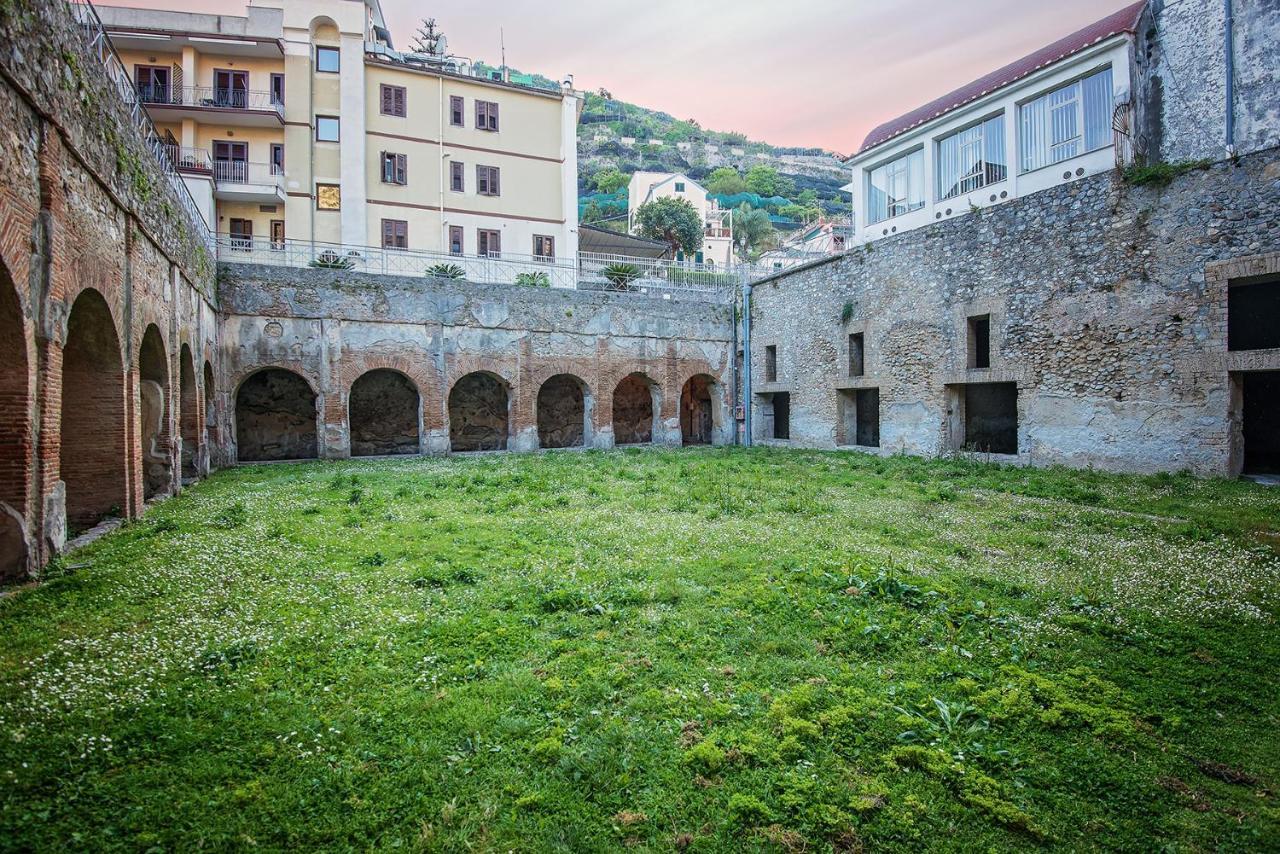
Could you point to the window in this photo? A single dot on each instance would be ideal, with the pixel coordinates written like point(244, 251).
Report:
point(393, 98)
point(277, 158)
point(455, 110)
point(395, 234)
point(326, 128)
point(455, 240)
point(277, 234)
point(241, 232)
point(896, 187)
point(486, 115)
point(457, 182)
point(544, 248)
point(679, 186)
point(328, 197)
point(1071, 120)
point(327, 59)
point(395, 168)
point(980, 342)
point(857, 355)
point(972, 158)
point(277, 89)
point(153, 83)
point(488, 243)
point(487, 181)
point(1253, 316)
point(771, 363)
point(230, 88)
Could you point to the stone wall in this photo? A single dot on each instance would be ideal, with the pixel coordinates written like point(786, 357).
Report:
point(1107, 308)
point(94, 251)
point(332, 327)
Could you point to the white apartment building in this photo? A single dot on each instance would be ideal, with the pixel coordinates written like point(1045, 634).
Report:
point(299, 126)
point(1043, 120)
point(717, 229)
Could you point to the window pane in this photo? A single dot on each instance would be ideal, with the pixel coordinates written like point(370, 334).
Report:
point(327, 59)
point(326, 129)
point(1097, 110)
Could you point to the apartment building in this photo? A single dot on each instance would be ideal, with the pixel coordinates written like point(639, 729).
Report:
point(1055, 116)
point(717, 228)
point(299, 126)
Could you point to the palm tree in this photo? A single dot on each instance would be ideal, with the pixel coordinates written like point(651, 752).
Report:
point(752, 230)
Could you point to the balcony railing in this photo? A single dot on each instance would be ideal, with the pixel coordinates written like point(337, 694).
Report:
point(189, 159)
point(244, 172)
point(209, 96)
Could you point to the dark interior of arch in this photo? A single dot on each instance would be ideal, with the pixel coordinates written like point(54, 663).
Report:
point(561, 413)
point(695, 411)
point(633, 411)
point(383, 413)
point(275, 417)
point(15, 433)
point(188, 414)
point(208, 406)
point(153, 390)
point(478, 416)
point(92, 455)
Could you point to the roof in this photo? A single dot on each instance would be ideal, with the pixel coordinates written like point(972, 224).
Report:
point(1124, 21)
point(606, 242)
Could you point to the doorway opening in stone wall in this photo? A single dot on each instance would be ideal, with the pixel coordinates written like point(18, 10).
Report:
point(635, 400)
point(564, 412)
point(92, 437)
point(15, 432)
point(188, 415)
point(780, 406)
point(984, 417)
point(697, 411)
point(858, 422)
point(275, 417)
point(479, 413)
point(153, 392)
point(1260, 422)
point(384, 413)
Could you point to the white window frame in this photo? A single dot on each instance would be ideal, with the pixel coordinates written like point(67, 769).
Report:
point(1071, 98)
point(967, 182)
point(903, 173)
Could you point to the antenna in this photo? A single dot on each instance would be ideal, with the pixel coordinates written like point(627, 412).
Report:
point(502, 43)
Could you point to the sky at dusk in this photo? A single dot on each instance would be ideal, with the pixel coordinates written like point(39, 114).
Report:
point(799, 72)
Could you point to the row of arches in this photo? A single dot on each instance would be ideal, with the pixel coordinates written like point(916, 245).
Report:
point(276, 414)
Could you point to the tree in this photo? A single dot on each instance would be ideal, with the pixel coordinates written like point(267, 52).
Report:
point(674, 221)
point(428, 39)
point(610, 180)
point(765, 181)
point(725, 181)
point(752, 230)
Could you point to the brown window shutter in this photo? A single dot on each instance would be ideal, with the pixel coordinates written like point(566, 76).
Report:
point(402, 168)
point(399, 101)
point(386, 99)
point(386, 233)
point(493, 116)
point(495, 181)
point(480, 115)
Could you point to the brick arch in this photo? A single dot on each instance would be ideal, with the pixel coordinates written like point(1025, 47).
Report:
point(635, 408)
point(384, 413)
point(701, 401)
point(154, 393)
point(276, 415)
point(189, 415)
point(92, 450)
point(563, 412)
point(15, 432)
point(479, 412)
point(418, 371)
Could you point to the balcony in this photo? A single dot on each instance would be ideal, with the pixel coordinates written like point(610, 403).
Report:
point(172, 103)
point(242, 181)
point(190, 161)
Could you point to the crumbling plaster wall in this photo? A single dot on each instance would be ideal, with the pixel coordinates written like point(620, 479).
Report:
point(1101, 312)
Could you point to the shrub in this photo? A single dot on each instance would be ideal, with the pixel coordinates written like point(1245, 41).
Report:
point(330, 260)
point(1162, 174)
point(534, 280)
point(621, 275)
point(446, 271)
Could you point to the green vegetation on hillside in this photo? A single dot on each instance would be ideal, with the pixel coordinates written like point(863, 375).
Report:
point(718, 650)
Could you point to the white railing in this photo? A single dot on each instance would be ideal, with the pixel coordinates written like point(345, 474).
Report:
point(615, 273)
point(210, 96)
point(99, 46)
point(189, 159)
point(245, 172)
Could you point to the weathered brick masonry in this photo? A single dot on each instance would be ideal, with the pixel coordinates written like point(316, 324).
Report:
point(95, 255)
point(554, 358)
point(1107, 306)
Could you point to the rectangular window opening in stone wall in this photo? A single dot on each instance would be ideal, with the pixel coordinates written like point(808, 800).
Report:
point(979, 342)
point(771, 363)
point(1253, 314)
point(857, 355)
point(987, 421)
point(859, 417)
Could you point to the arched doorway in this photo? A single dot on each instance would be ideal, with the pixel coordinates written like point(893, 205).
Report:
point(697, 410)
point(92, 456)
point(210, 415)
point(188, 414)
point(563, 412)
point(153, 391)
point(479, 413)
point(383, 412)
point(634, 405)
point(275, 417)
point(15, 432)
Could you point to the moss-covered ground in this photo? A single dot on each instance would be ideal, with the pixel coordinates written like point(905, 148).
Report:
point(723, 649)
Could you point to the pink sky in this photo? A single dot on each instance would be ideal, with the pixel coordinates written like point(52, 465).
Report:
point(800, 72)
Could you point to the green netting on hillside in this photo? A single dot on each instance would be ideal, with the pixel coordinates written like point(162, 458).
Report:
point(755, 200)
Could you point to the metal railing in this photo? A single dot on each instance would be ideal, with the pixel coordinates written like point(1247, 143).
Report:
point(245, 172)
point(99, 45)
point(189, 159)
point(615, 273)
point(210, 96)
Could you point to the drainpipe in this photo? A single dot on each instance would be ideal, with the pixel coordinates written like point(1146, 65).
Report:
point(746, 361)
point(1229, 49)
point(444, 235)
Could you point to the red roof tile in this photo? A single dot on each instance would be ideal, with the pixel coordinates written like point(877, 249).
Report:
point(1124, 21)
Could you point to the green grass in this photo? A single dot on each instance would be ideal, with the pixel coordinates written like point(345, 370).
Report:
point(717, 649)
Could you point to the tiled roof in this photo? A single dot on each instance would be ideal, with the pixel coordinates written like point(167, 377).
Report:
point(1124, 21)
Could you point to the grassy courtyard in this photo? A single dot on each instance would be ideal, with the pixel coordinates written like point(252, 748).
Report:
point(703, 650)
